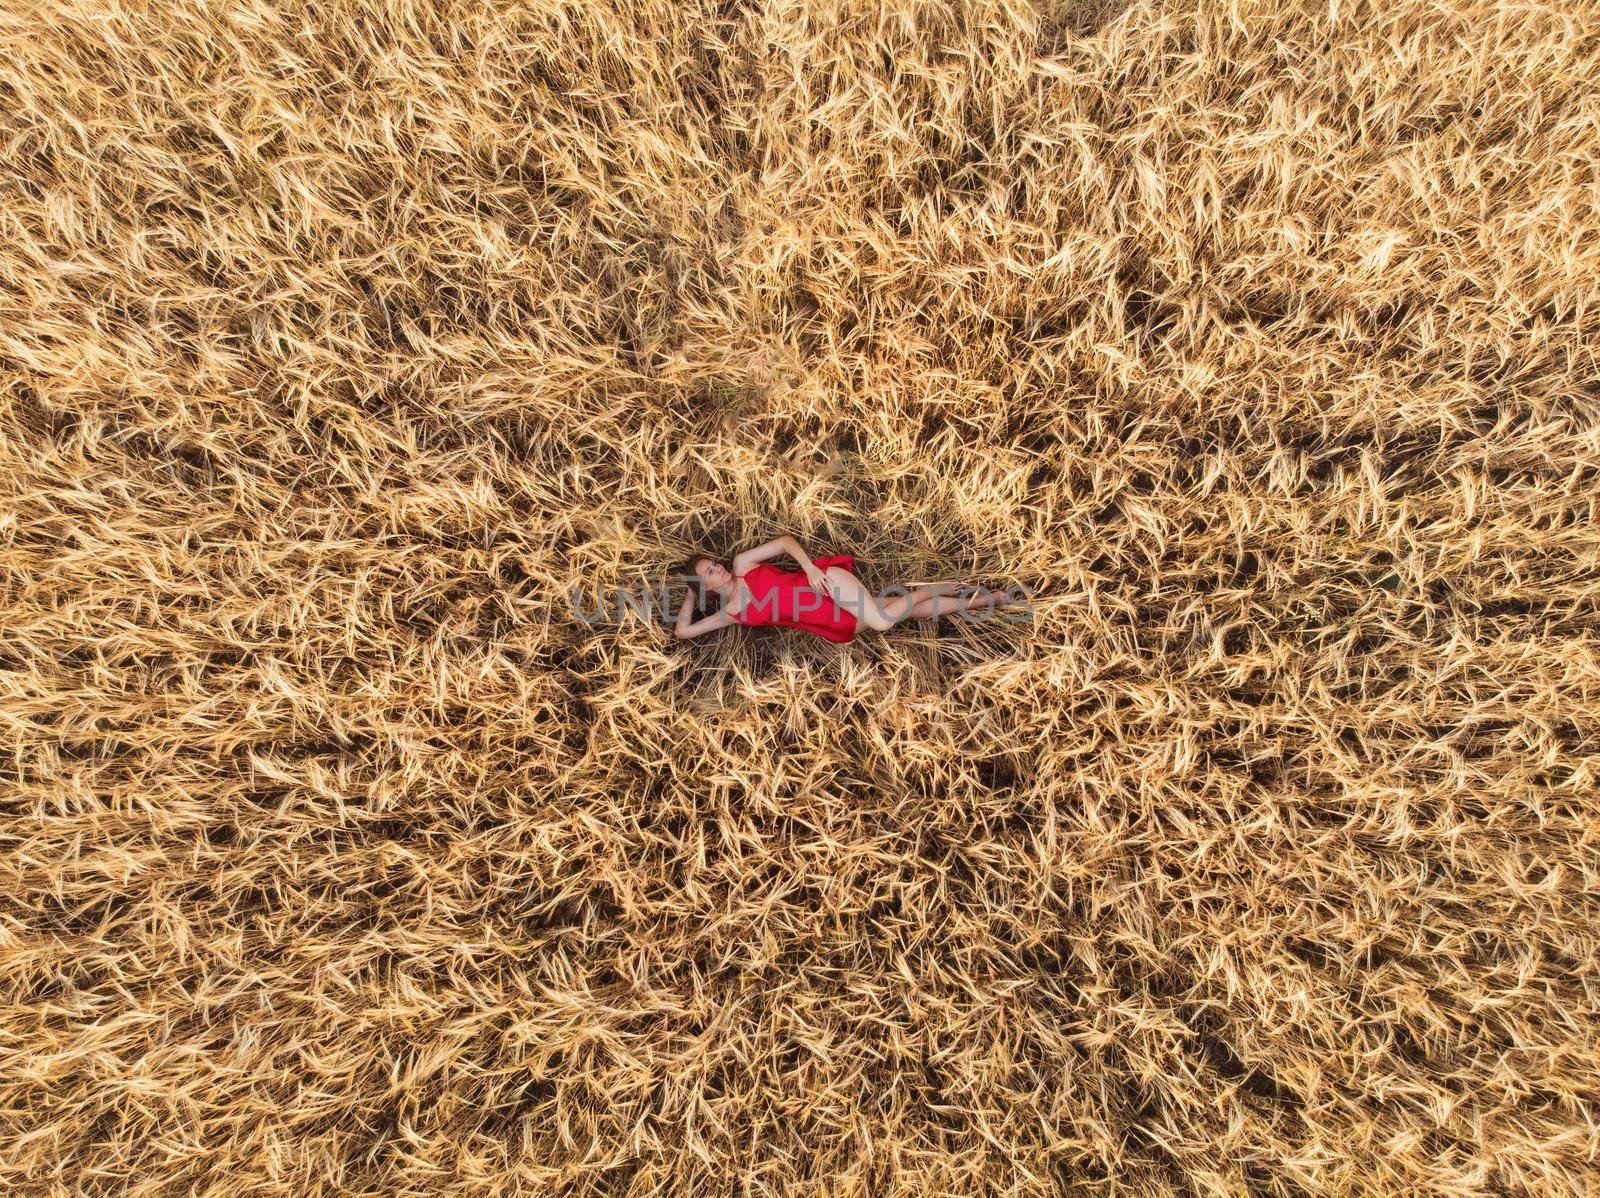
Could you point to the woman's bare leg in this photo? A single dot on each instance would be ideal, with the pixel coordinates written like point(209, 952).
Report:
point(854, 598)
point(935, 599)
point(920, 601)
point(943, 605)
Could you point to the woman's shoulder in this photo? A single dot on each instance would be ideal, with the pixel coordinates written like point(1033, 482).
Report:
point(744, 591)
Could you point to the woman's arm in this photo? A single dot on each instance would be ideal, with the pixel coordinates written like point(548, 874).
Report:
point(684, 630)
point(784, 544)
point(711, 623)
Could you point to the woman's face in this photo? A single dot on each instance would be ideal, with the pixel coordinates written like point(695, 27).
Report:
point(714, 574)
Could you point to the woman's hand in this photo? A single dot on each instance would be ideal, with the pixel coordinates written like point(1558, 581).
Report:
point(821, 583)
point(685, 610)
point(685, 631)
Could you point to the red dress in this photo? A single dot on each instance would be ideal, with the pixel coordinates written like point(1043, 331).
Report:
point(785, 598)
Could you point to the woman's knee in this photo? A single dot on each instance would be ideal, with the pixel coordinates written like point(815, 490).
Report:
point(876, 619)
point(852, 596)
point(869, 611)
point(894, 605)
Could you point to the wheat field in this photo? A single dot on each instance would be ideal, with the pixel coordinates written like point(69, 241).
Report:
point(349, 351)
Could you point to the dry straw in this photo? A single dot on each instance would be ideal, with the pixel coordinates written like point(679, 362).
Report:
point(340, 342)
